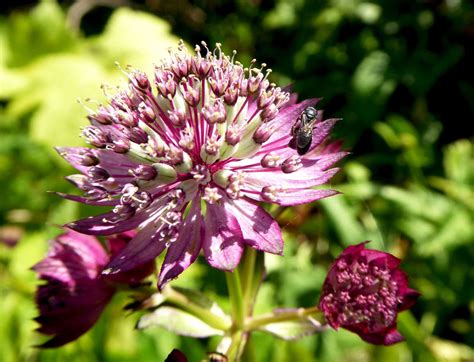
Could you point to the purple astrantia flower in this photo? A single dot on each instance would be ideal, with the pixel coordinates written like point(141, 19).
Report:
point(75, 293)
point(364, 291)
point(187, 161)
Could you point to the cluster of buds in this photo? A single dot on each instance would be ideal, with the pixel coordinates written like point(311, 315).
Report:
point(364, 292)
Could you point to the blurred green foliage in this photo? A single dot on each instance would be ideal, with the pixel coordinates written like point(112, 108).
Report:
point(396, 71)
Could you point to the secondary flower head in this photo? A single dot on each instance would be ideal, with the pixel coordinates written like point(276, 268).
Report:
point(364, 291)
point(74, 295)
point(185, 158)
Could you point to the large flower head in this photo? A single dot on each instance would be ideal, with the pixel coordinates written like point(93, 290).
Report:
point(185, 158)
point(75, 292)
point(364, 291)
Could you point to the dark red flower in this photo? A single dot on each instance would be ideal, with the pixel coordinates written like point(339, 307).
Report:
point(364, 291)
point(75, 292)
point(176, 356)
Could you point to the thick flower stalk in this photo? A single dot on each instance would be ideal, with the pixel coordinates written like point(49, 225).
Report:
point(185, 159)
point(75, 292)
point(364, 291)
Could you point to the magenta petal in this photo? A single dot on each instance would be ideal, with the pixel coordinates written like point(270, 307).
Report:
point(354, 250)
point(302, 178)
point(86, 246)
point(98, 225)
point(287, 118)
point(85, 200)
point(176, 356)
point(321, 131)
point(67, 313)
point(184, 251)
point(223, 244)
point(116, 164)
point(259, 229)
point(72, 256)
point(73, 297)
point(143, 248)
point(298, 197)
point(323, 161)
point(385, 338)
point(409, 298)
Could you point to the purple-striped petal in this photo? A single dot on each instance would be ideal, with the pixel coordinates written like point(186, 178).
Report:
point(287, 117)
point(116, 164)
point(303, 178)
point(223, 244)
point(259, 229)
point(143, 248)
point(297, 196)
point(102, 225)
point(184, 251)
point(85, 200)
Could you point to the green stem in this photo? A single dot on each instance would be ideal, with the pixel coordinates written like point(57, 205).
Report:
point(180, 300)
point(297, 314)
point(233, 352)
point(236, 299)
point(249, 354)
point(257, 277)
point(247, 276)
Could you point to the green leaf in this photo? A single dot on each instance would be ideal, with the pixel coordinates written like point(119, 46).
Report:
point(459, 162)
point(135, 38)
point(370, 76)
point(293, 330)
point(179, 322)
point(200, 300)
point(55, 83)
point(46, 86)
point(42, 31)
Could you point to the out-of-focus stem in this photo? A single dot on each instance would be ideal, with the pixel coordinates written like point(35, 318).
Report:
point(236, 298)
point(180, 300)
point(285, 316)
point(247, 276)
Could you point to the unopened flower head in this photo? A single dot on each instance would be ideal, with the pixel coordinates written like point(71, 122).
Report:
point(364, 292)
point(75, 292)
point(186, 156)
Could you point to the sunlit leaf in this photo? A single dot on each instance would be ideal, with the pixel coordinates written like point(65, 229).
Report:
point(179, 322)
point(135, 38)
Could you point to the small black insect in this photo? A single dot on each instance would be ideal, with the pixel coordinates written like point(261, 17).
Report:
point(302, 130)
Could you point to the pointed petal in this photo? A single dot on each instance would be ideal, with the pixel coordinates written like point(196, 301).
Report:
point(75, 312)
point(85, 200)
point(223, 244)
point(287, 117)
point(321, 131)
point(143, 248)
point(72, 256)
point(98, 225)
point(114, 163)
point(259, 229)
point(184, 251)
point(87, 247)
point(386, 338)
point(298, 197)
point(303, 178)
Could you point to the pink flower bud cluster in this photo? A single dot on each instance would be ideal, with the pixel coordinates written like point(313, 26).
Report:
point(364, 291)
